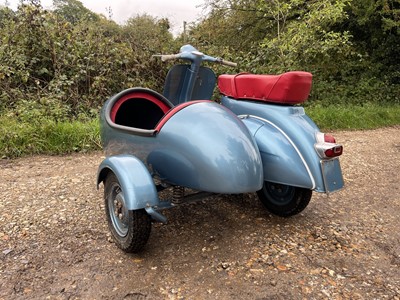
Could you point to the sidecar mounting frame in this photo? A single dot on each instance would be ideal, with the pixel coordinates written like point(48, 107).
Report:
point(154, 211)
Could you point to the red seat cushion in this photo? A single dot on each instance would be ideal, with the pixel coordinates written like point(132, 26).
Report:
point(287, 88)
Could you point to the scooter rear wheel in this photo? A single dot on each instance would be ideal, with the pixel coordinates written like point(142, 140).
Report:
point(130, 229)
point(284, 200)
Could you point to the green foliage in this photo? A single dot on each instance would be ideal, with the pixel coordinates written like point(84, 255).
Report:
point(375, 27)
point(39, 111)
point(73, 11)
point(350, 92)
point(47, 137)
point(307, 42)
point(72, 60)
point(351, 47)
point(58, 67)
point(232, 28)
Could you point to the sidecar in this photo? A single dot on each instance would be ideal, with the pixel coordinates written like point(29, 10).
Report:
point(151, 144)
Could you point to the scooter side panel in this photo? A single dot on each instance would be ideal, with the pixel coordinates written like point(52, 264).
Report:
point(281, 162)
point(294, 126)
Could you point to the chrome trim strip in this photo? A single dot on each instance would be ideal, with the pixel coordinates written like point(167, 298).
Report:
point(290, 141)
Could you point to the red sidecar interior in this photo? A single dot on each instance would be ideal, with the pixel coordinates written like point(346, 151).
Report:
point(287, 88)
point(139, 109)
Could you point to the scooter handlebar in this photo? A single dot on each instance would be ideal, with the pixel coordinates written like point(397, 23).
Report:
point(165, 57)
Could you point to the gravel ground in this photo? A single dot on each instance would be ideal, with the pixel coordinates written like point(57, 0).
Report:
point(54, 241)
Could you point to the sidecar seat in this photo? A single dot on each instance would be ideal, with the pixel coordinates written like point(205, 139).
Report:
point(139, 108)
point(287, 88)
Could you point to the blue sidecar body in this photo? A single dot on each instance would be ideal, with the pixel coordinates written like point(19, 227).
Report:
point(199, 144)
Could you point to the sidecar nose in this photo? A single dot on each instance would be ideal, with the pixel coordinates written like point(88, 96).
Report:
point(206, 147)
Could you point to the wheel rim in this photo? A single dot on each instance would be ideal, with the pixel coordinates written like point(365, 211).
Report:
point(279, 194)
point(118, 211)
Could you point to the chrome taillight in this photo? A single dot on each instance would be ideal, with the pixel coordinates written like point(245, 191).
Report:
point(326, 146)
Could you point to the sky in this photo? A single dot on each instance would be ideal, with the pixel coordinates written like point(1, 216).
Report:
point(177, 11)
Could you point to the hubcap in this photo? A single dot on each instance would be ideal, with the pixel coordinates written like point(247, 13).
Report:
point(118, 211)
point(279, 194)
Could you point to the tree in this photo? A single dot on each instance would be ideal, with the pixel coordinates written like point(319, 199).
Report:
point(278, 35)
point(62, 63)
point(236, 24)
point(146, 33)
point(309, 41)
point(74, 11)
point(375, 27)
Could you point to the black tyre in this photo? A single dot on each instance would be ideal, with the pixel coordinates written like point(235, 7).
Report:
point(129, 228)
point(284, 200)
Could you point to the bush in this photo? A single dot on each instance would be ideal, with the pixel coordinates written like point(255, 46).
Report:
point(354, 91)
point(72, 68)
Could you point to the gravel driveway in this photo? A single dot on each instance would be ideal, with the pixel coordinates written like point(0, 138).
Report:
point(54, 242)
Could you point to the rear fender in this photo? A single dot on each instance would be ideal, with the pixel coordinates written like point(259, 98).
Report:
point(135, 180)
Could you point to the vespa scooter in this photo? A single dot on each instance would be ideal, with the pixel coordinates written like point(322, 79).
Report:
point(180, 140)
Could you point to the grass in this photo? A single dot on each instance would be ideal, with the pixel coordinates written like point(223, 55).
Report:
point(51, 137)
point(353, 117)
point(47, 137)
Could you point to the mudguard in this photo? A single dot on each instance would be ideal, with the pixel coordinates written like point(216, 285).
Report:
point(135, 180)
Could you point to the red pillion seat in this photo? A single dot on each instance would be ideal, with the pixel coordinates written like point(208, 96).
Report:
point(287, 88)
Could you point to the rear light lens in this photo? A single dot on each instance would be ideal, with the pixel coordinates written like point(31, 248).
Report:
point(329, 138)
point(326, 146)
point(335, 151)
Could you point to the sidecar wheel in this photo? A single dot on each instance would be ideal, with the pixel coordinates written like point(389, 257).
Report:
point(284, 200)
point(129, 228)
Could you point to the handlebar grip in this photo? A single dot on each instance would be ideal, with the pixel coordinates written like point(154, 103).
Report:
point(165, 57)
point(228, 63)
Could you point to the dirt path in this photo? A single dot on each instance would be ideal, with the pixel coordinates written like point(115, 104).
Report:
point(54, 242)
